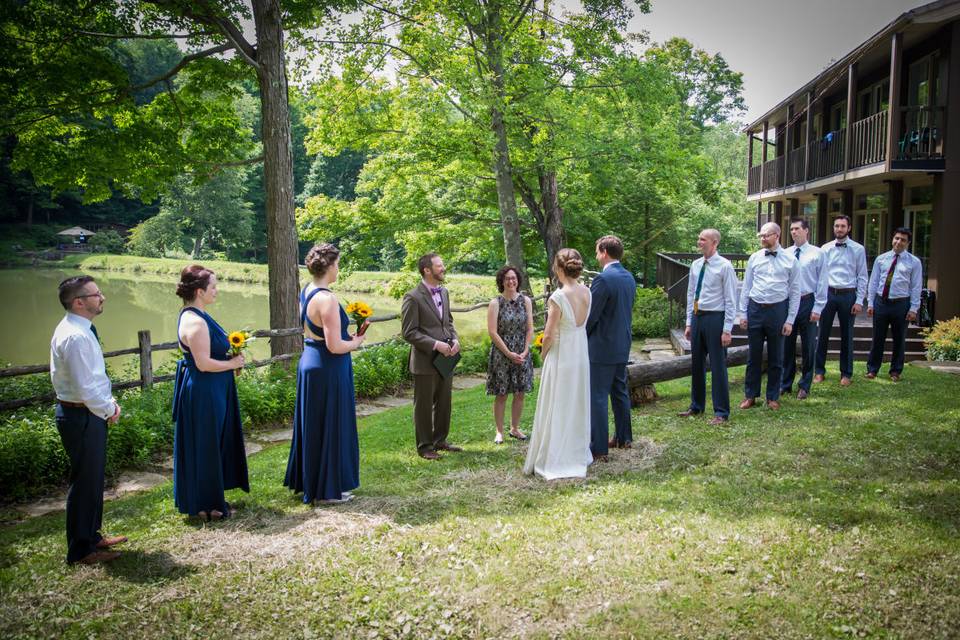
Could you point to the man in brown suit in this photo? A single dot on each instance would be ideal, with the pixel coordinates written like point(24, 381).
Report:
point(427, 325)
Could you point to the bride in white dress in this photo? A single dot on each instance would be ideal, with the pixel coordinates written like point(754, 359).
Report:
point(560, 442)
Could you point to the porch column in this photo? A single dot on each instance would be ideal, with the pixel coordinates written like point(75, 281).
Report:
point(759, 214)
point(893, 112)
point(806, 149)
point(945, 227)
point(786, 147)
point(846, 208)
point(851, 114)
point(894, 205)
point(823, 232)
point(778, 216)
point(793, 210)
point(763, 157)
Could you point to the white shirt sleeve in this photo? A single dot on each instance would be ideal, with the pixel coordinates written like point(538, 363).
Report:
point(747, 284)
point(861, 276)
point(794, 288)
point(820, 294)
point(874, 282)
point(916, 284)
point(729, 297)
point(691, 292)
point(94, 390)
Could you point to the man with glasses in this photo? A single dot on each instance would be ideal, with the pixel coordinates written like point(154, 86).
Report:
point(893, 300)
point(844, 277)
point(768, 305)
point(810, 260)
point(84, 408)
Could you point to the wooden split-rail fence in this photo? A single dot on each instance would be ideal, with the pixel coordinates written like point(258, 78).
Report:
point(145, 350)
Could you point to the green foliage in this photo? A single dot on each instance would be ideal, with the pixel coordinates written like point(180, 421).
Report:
point(474, 357)
point(651, 314)
point(381, 369)
point(268, 396)
point(401, 283)
point(943, 341)
point(107, 241)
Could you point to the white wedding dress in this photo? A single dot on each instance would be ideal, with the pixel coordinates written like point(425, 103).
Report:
point(560, 442)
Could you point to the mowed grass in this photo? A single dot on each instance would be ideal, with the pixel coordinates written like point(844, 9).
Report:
point(835, 517)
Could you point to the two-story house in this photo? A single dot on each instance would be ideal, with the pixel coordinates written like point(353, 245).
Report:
point(875, 136)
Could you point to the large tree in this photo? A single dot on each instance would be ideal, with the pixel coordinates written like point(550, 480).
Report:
point(81, 120)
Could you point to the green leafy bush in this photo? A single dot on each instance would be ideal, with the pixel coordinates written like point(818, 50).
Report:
point(474, 357)
point(381, 369)
point(651, 314)
point(943, 341)
point(108, 241)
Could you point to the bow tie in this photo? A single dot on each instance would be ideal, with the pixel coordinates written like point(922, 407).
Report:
point(435, 290)
point(771, 253)
point(841, 245)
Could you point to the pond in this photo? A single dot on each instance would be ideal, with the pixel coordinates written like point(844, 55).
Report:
point(142, 302)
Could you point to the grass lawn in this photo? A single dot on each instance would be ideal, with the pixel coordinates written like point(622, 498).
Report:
point(835, 517)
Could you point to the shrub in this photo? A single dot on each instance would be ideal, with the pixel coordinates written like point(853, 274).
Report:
point(381, 368)
point(474, 358)
point(107, 241)
point(943, 341)
point(651, 314)
point(401, 283)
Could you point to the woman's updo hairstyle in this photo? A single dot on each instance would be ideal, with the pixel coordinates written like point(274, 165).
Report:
point(570, 262)
point(192, 279)
point(320, 258)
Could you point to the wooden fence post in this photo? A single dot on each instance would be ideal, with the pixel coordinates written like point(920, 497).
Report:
point(146, 360)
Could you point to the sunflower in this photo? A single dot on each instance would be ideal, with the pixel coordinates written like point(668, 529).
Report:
point(237, 339)
point(538, 341)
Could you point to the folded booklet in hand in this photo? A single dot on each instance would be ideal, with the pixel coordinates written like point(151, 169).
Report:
point(445, 364)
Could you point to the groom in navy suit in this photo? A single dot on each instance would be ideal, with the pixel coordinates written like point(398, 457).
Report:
point(608, 337)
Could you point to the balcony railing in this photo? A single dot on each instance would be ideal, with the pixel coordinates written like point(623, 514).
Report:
point(868, 140)
point(826, 154)
point(922, 133)
point(753, 179)
point(773, 174)
point(798, 159)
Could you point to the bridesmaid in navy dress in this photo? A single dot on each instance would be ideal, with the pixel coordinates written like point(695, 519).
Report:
point(324, 459)
point(208, 452)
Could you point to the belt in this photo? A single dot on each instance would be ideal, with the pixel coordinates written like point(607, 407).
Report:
point(767, 305)
point(704, 312)
point(837, 291)
point(894, 299)
point(806, 295)
point(72, 405)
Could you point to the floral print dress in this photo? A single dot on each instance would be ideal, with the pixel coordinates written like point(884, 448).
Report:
point(503, 376)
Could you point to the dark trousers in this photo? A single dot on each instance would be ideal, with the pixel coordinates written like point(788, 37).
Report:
point(893, 314)
point(608, 381)
point(806, 331)
point(838, 304)
point(765, 324)
point(431, 410)
point(706, 335)
point(84, 437)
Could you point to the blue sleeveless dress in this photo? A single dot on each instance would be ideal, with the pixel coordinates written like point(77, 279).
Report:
point(324, 454)
point(208, 452)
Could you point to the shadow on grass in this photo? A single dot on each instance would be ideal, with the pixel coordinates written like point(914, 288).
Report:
point(147, 567)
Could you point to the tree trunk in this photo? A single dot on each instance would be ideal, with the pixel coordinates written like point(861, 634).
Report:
point(554, 236)
point(197, 246)
point(282, 249)
point(30, 211)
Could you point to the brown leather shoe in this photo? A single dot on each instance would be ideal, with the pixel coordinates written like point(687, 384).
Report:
point(870, 375)
point(106, 543)
point(448, 447)
point(802, 394)
point(601, 458)
point(895, 377)
point(773, 404)
point(747, 403)
point(845, 382)
point(718, 420)
point(819, 377)
point(689, 413)
point(99, 556)
point(430, 455)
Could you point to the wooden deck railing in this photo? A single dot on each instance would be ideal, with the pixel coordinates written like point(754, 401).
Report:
point(826, 155)
point(796, 166)
point(753, 180)
point(868, 140)
point(773, 174)
point(923, 133)
point(673, 275)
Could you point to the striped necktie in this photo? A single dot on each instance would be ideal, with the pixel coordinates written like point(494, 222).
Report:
point(889, 281)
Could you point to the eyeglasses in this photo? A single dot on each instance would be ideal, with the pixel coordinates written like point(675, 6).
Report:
point(98, 294)
point(766, 235)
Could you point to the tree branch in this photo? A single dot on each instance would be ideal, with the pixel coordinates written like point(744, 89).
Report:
point(143, 36)
point(206, 53)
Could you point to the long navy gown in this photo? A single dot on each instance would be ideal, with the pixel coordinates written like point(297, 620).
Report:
point(208, 453)
point(324, 454)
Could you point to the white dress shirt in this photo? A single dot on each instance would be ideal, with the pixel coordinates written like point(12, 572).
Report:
point(772, 276)
point(77, 370)
point(609, 264)
point(907, 278)
point(811, 265)
point(845, 267)
point(718, 291)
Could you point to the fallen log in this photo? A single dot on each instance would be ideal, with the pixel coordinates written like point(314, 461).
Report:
point(648, 372)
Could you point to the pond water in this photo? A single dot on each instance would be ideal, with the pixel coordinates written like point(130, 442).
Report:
point(142, 302)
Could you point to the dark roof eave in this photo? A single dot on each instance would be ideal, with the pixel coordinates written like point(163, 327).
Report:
point(901, 21)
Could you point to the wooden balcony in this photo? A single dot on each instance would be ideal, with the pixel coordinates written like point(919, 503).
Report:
point(920, 146)
point(796, 166)
point(773, 174)
point(868, 140)
point(753, 179)
point(826, 154)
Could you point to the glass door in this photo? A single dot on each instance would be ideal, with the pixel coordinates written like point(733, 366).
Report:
point(920, 221)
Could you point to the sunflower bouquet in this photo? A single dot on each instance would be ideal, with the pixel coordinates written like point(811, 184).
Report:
point(239, 340)
point(359, 311)
point(538, 341)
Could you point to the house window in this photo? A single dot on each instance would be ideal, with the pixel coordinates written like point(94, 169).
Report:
point(838, 116)
point(870, 222)
point(921, 195)
point(808, 211)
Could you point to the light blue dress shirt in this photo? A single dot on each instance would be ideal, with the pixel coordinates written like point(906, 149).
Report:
point(770, 279)
point(907, 278)
point(718, 292)
point(811, 264)
point(845, 267)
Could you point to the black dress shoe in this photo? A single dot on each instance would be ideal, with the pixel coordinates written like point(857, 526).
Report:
point(688, 413)
point(429, 455)
point(449, 447)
